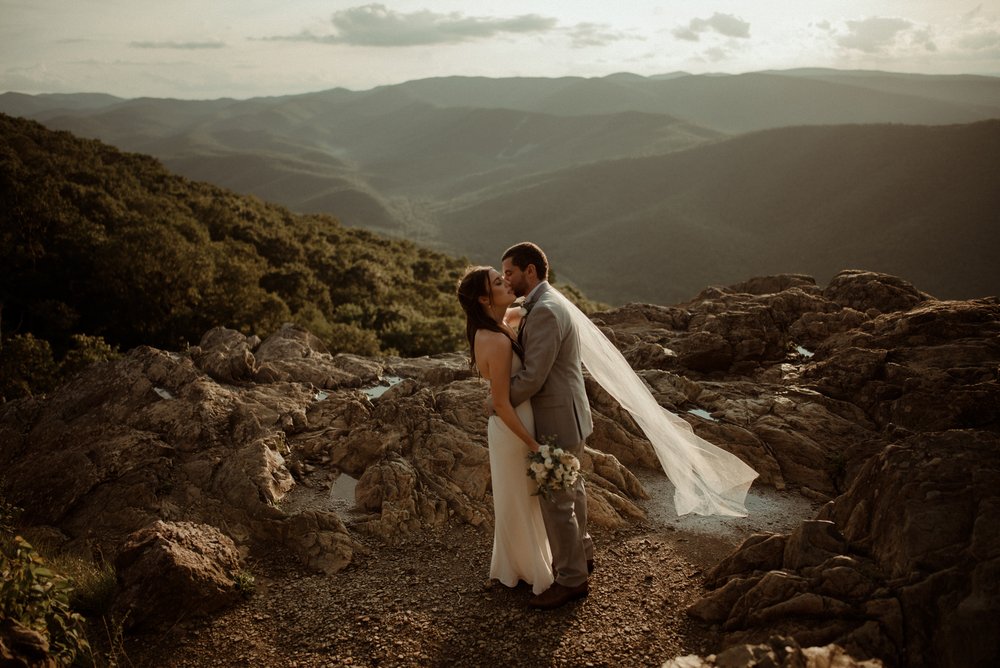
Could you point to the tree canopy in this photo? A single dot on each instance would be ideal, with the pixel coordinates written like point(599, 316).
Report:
point(110, 249)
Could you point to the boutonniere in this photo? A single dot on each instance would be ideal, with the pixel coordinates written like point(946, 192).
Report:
point(516, 313)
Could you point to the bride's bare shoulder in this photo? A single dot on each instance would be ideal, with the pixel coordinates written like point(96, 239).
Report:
point(493, 350)
point(491, 339)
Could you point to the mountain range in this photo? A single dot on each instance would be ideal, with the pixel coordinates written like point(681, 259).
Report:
point(640, 188)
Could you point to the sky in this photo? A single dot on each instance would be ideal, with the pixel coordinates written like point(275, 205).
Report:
point(207, 49)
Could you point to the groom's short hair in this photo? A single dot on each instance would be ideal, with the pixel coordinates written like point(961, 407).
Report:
point(525, 253)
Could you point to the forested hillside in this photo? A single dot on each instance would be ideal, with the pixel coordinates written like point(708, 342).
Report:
point(914, 201)
point(102, 249)
point(641, 188)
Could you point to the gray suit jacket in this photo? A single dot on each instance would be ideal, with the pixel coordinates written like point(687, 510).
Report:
point(552, 376)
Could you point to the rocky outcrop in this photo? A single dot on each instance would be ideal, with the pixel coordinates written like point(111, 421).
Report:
point(925, 511)
point(872, 292)
point(173, 570)
point(246, 437)
point(900, 565)
point(779, 652)
point(868, 395)
point(931, 368)
point(806, 586)
point(152, 437)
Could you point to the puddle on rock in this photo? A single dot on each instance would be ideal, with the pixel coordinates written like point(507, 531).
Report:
point(702, 413)
point(384, 384)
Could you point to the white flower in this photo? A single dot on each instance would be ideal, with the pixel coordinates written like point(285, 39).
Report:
point(551, 468)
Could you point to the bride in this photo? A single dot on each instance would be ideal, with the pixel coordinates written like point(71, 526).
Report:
point(520, 546)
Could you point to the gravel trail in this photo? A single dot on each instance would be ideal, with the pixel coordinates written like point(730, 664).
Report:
point(427, 601)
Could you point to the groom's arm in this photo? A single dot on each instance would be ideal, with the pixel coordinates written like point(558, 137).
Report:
point(541, 347)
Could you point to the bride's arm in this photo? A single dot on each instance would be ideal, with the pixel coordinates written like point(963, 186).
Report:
point(494, 352)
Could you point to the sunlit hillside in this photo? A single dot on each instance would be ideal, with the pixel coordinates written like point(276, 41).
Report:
point(915, 201)
point(675, 181)
point(109, 245)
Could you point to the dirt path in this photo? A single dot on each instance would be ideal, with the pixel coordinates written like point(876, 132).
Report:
point(427, 602)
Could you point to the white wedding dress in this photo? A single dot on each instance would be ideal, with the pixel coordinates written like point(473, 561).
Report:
point(520, 546)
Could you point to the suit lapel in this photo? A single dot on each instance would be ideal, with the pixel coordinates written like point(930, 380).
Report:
point(524, 320)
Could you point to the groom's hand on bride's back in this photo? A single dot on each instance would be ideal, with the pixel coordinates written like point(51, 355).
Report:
point(488, 407)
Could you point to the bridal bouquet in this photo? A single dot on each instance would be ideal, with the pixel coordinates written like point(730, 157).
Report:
point(552, 468)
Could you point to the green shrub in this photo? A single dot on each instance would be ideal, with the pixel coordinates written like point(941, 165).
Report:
point(9, 514)
point(26, 366)
point(246, 583)
point(86, 350)
point(343, 338)
point(38, 599)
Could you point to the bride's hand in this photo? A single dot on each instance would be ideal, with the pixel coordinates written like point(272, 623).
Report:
point(534, 445)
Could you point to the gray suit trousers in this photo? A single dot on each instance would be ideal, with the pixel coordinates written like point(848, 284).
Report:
point(565, 517)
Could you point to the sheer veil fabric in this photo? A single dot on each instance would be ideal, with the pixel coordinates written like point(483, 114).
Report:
point(707, 479)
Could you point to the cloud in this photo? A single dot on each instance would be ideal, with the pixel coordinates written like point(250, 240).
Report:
point(924, 38)
point(183, 46)
point(716, 54)
point(724, 24)
point(376, 25)
point(973, 13)
point(595, 34)
point(873, 35)
point(978, 33)
point(686, 34)
point(987, 40)
point(970, 37)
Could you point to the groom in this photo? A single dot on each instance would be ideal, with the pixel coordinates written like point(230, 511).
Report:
point(552, 379)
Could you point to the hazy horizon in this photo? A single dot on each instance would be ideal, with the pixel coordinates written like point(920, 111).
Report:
point(464, 76)
point(189, 50)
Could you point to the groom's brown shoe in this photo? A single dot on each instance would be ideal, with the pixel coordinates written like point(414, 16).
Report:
point(558, 595)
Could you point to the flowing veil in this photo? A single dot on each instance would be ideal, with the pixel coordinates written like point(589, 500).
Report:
point(707, 479)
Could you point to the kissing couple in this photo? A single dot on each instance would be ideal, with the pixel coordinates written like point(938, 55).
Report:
point(537, 392)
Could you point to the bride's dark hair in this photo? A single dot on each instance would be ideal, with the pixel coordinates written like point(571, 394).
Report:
point(473, 285)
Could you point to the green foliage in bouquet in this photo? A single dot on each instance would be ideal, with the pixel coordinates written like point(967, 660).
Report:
point(111, 247)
